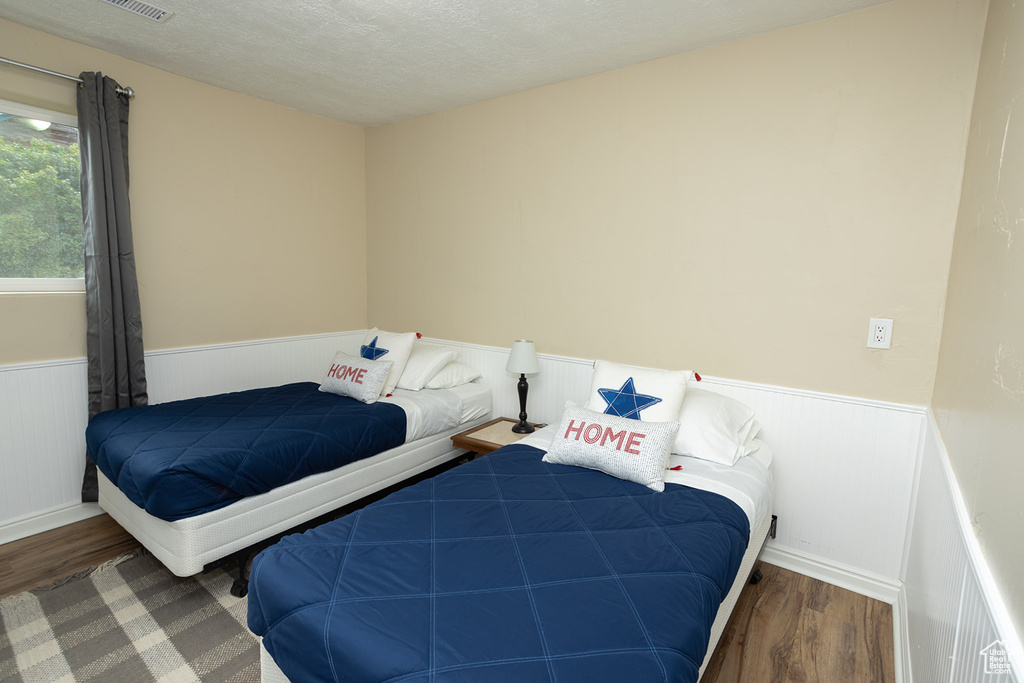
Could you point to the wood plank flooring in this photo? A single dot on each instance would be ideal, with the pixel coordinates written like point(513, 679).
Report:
point(44, 558)
point(793, 628)
point(787, 628)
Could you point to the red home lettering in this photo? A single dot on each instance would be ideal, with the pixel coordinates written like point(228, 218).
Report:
point(614, 437)
point(354, 375)
point(578, 430)
point(634, 443)
point(592, 434)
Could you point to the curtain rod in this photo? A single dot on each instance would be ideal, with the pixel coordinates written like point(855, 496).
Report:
point(120, 91)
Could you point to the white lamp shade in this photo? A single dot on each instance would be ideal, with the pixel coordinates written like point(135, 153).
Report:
point(523, 359)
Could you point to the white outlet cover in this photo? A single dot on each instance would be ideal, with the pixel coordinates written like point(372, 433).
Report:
point(880, 333)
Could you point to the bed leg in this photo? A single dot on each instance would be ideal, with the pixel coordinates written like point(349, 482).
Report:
point(756, 577)
point(240, 588)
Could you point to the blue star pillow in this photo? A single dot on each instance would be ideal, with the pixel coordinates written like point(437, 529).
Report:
point(636, 393)
point(381, 346)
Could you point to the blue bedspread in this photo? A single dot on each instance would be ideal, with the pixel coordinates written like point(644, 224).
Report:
point(184, 458)
point(504, 569)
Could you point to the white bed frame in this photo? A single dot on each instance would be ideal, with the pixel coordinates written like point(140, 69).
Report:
point(186, 546)
point(271, 673)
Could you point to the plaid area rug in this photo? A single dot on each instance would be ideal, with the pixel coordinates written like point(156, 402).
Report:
point(130, 620)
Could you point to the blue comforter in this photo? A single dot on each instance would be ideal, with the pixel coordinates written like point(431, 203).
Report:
point(504, 569)
point(184, 458)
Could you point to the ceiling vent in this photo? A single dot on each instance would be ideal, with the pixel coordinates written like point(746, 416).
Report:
point(143, 8)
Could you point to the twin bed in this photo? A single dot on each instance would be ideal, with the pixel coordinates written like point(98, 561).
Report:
point(512, 569)
point(198, 480)
point(519, 565)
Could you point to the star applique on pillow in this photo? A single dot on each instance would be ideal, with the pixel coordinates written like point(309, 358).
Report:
point(371, 351)
point(647, 394)
point(625, 401)
point(378, 344)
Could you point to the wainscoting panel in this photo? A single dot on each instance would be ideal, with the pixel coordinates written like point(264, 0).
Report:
point(844, 472)
point(843, 466)
point(951, 617)
point(43, 410)
point(175, 374)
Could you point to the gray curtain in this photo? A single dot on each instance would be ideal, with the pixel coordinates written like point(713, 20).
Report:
point(117, 369)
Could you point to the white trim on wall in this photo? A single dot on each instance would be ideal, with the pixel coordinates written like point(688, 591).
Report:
point(832, 453)
point(954, 607)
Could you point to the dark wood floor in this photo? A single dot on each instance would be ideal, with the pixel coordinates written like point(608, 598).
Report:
point(786, 628)
point(44, 558)
point(790, 627)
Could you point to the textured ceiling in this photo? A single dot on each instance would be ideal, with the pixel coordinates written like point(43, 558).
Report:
point(369, 62)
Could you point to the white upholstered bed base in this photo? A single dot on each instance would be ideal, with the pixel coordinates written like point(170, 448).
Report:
point(185, 546)
point(271, 673)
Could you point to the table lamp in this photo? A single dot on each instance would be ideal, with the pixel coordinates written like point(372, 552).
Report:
point(522, 359)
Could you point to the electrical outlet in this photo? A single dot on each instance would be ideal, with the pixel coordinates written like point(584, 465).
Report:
point(880, 333)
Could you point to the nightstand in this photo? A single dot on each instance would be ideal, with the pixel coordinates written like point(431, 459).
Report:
point(488, 437)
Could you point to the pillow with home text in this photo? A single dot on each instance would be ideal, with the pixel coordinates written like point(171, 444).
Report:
point(622, 447)
point(356, 377)
point(380, 345)
point(646, 394)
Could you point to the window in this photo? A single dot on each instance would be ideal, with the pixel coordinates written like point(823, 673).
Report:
point(41, 232)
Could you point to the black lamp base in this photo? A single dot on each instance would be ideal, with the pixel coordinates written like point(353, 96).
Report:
point(522, 427)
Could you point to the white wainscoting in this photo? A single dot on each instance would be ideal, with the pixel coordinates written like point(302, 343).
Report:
point(43, 410)
point(174, 374)
point(843, 466)
point(953, 607)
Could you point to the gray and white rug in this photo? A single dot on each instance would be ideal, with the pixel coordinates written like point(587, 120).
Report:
point(129, 620)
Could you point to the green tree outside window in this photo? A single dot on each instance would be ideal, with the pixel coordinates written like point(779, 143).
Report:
point(41, 234)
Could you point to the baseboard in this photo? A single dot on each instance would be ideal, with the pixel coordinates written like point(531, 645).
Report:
point(901, 639)
point(850, 578)
point(45, 521)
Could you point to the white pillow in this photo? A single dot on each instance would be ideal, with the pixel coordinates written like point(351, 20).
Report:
point(424, 362)
point(453, 375)
point(624, 448)
point(378, 345)
point(714, 427)
point(646, 394)
point(359, 378)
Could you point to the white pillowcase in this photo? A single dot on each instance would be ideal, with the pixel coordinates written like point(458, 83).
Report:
point(357, 377)
point(424, 362)
point(624, 448)
point(714, 427)
point(455, 374)
point(646, 394)
point(378, 345)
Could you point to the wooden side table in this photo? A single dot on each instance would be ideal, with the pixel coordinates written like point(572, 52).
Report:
point(488, 437)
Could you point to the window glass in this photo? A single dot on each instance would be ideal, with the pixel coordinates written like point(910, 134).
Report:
point(41, 231)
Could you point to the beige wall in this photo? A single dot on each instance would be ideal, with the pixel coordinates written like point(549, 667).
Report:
point(743, 209)
point(979, 385)
point(249, 217)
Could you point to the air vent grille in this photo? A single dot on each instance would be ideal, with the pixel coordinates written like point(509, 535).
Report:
point(143, 8)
